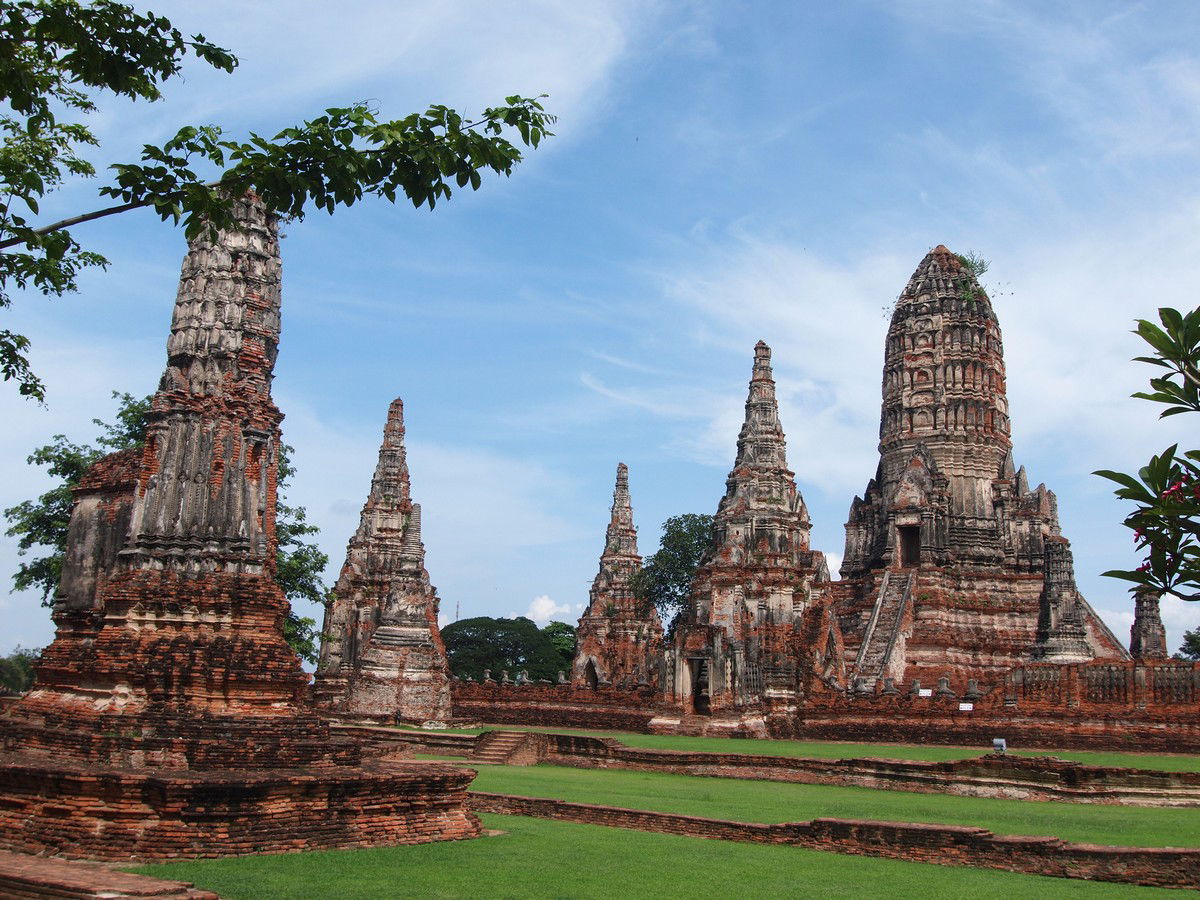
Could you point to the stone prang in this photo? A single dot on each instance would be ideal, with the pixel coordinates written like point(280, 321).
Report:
point(382, 658)
point(619, 637)
point(1147, 637)
point(758, 578)
point(170, 717)
point(948, 549)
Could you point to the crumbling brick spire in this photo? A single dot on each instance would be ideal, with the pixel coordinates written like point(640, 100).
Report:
point(170, 650)
point(758, 577)
point(1147, 637)
point(382, 656)
point(619, 635)
point(621, 536)
point(1062, 637)
point(762, 510)
point(948, 547)
point(168, 593)
point(205, 498)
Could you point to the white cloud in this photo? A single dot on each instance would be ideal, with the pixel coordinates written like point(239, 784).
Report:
point(542, 609)
point(1114, 80)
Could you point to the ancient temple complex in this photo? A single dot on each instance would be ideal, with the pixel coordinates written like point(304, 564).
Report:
point(619, 637)
point(953, 564)
point(170, 716)
point(739, 646)
point(382, 657)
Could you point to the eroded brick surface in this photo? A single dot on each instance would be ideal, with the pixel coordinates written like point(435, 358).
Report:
point(737, 649)
point(619, 636)
point(169, 716)
point(382, 658)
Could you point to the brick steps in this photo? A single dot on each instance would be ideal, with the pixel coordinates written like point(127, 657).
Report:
point(26, 877)
point(497, 747)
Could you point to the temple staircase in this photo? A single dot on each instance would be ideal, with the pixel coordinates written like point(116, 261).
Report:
point(895, 594)
point(497, 747)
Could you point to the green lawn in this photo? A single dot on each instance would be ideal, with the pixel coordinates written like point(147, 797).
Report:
point(836, 750)
point(770, 801)
point(538, 858)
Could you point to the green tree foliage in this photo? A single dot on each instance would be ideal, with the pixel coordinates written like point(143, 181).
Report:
point(562, 636)
point(60, 58)
point(665, 580)
point(1190, 648)
point(41, 525)
point(1166, 492)
point(16, 670)
point(505, 645)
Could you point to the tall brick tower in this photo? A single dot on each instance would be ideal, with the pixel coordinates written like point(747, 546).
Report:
point(170, 717)
point(945, 555)
point(382, 658)
point(619, 640)
point(738, 649)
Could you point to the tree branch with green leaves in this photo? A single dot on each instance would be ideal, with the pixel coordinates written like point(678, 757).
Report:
point(59, 55)
point(1166, 492)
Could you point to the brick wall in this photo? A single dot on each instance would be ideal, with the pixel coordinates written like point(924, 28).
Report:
point(941, 844)
point(1041, 778)
point(554, 706)
point(110, 814)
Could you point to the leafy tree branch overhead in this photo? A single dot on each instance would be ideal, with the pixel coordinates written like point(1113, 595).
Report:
point(58, 58)
point(1166, 491)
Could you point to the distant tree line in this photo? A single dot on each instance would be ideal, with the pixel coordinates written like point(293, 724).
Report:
point(481, 644)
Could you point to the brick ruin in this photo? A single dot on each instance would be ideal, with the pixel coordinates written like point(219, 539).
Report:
point(1147, 636)
point(382, 657)
point(170, 716)
point(957, 617)
point(738, 649)
point(619, 637)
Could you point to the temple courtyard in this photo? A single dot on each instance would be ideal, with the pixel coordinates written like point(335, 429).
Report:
point(522, 856)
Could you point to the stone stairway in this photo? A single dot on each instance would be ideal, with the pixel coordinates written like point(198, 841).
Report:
point(497, 747)
point(873, 655)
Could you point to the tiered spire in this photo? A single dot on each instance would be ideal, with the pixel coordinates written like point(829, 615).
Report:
point(384, 522)
point(213, 428)
point(382, 655)
point(1062, 637)
point(618, 635)
point(761, 443)
point(620, 559)
point(943, 371)
point(621, 536)
point(761, 502)
point(1147, 637)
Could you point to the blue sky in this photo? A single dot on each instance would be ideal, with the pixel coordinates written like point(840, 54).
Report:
point(722, 172)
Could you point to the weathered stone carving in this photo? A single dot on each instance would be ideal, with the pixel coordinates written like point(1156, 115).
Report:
point(382, 658)
point(946, 550)
point(169, 654)
point(619, 639)
point(759, 584)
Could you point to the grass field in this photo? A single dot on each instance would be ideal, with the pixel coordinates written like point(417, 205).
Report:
point(538, 858)
point(769, 801)
point(837, 750)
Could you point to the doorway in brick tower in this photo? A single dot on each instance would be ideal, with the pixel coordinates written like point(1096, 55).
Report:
point(700, 697)
point(910, 545)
